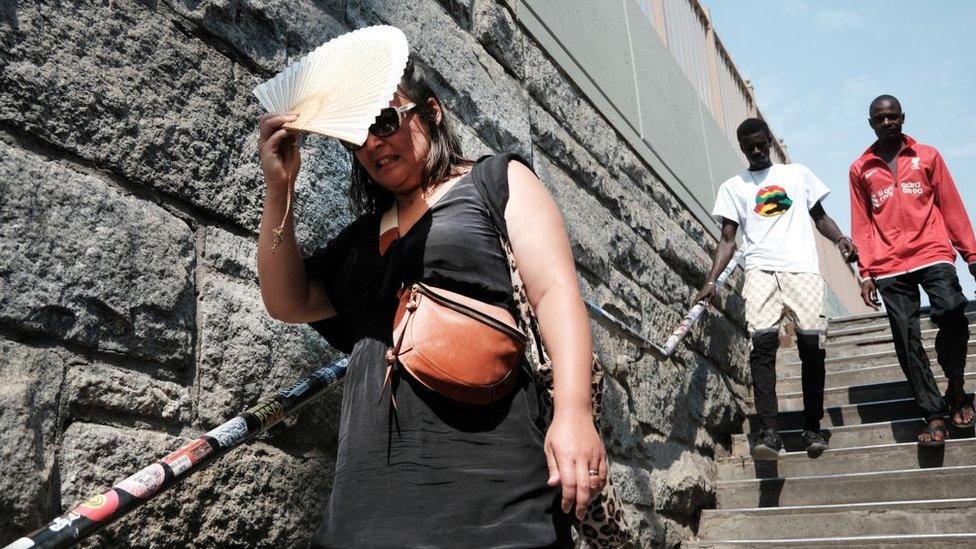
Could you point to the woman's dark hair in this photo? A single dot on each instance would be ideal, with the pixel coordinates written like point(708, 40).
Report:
point(443, 160)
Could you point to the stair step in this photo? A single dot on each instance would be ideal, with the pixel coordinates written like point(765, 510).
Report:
point(929, 541)
point(876, 318)
point(849, 414)
point(856, 321)
point(858, 361)
point(843, 335)
point(849, 436)
point(873, 342)
point(864, 376)
point(903, 485)
point(874, 486)
point(862, 394)
point(858, 459)
point(941, 516)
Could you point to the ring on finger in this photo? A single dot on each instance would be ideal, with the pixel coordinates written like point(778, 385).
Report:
point(594, 480)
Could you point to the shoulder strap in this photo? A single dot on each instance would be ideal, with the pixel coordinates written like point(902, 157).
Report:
point(389, 228)
point(605, 521)
point(528, 323)
point(493, 170)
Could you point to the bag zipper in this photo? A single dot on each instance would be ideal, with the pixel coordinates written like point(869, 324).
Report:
point(514, 333)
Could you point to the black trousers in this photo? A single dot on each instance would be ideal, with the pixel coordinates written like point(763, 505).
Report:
point(902, 300)
point(762, 362)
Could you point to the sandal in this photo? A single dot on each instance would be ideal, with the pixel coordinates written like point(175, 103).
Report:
point(957, 407)
point(932, 430)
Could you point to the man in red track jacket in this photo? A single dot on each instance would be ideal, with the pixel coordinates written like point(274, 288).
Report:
point(908, 221)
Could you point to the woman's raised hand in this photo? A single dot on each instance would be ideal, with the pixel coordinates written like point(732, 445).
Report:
point(576, 458)
point(278, 149)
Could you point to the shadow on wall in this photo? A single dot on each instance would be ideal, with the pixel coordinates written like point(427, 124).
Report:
point(663, 419)
point(666, 420)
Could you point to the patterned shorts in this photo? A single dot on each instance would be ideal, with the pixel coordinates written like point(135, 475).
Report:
point(771, 295)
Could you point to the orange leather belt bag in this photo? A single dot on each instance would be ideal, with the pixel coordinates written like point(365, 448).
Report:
point(457, 346)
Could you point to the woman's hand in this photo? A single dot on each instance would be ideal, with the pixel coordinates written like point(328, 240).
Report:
point(278, 149)
point(573, 451)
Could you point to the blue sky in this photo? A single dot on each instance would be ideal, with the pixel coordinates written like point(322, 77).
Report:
point(816, 65)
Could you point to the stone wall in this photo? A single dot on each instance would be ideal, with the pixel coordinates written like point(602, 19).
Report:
point(130, 318)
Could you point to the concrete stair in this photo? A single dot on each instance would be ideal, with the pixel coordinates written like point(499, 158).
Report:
point(934, 483)
point(950, 516)
point(869, 342)
point(841, 333)
point(878, 321)
point(860, 394)
point(874, 486)
point(855, 361)
point(880, 457)
point(846, 378)
point(848, 436)
point(928, 541)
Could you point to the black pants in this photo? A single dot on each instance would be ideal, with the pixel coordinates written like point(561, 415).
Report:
point(762, 362)
point(901, 298)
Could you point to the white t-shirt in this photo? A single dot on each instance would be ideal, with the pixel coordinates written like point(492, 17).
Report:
point(772, 207)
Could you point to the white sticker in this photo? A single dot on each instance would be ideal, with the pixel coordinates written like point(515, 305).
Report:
point(180, 464)
point(230, 433)
point(145, 483)
point(296, 391)
point(63, 521)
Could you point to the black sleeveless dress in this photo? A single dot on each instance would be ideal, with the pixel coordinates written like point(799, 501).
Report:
point(433, 472)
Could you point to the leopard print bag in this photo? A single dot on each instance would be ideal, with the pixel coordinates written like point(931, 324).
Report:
point(605, 524)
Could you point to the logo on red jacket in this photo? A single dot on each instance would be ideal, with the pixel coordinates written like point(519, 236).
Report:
point(772, 201)
point(911, 187)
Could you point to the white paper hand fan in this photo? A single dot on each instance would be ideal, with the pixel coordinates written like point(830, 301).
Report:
point(340, 87)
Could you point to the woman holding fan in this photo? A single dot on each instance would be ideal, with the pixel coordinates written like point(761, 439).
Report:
point(416, 467)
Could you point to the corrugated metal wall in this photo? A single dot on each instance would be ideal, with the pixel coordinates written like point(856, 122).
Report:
point(736, 104)
point(687, 40)
point(685, 27)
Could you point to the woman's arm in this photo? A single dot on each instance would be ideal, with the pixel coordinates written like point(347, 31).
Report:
point(545, 261)
point(288, 296)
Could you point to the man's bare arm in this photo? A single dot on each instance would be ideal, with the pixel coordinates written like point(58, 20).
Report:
point(723, 254)
point(828, 227)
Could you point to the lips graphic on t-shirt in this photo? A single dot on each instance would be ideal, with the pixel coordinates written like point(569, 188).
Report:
point(772, 201)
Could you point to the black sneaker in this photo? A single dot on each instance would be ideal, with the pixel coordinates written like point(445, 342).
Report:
point(769, 446)
point(814, 441)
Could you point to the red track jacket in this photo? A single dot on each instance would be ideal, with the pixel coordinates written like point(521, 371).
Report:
point(911, 221)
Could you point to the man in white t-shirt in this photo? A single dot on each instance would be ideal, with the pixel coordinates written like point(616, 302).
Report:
point(775, 204)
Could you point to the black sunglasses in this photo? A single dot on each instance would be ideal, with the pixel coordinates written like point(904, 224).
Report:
point(387, 123)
